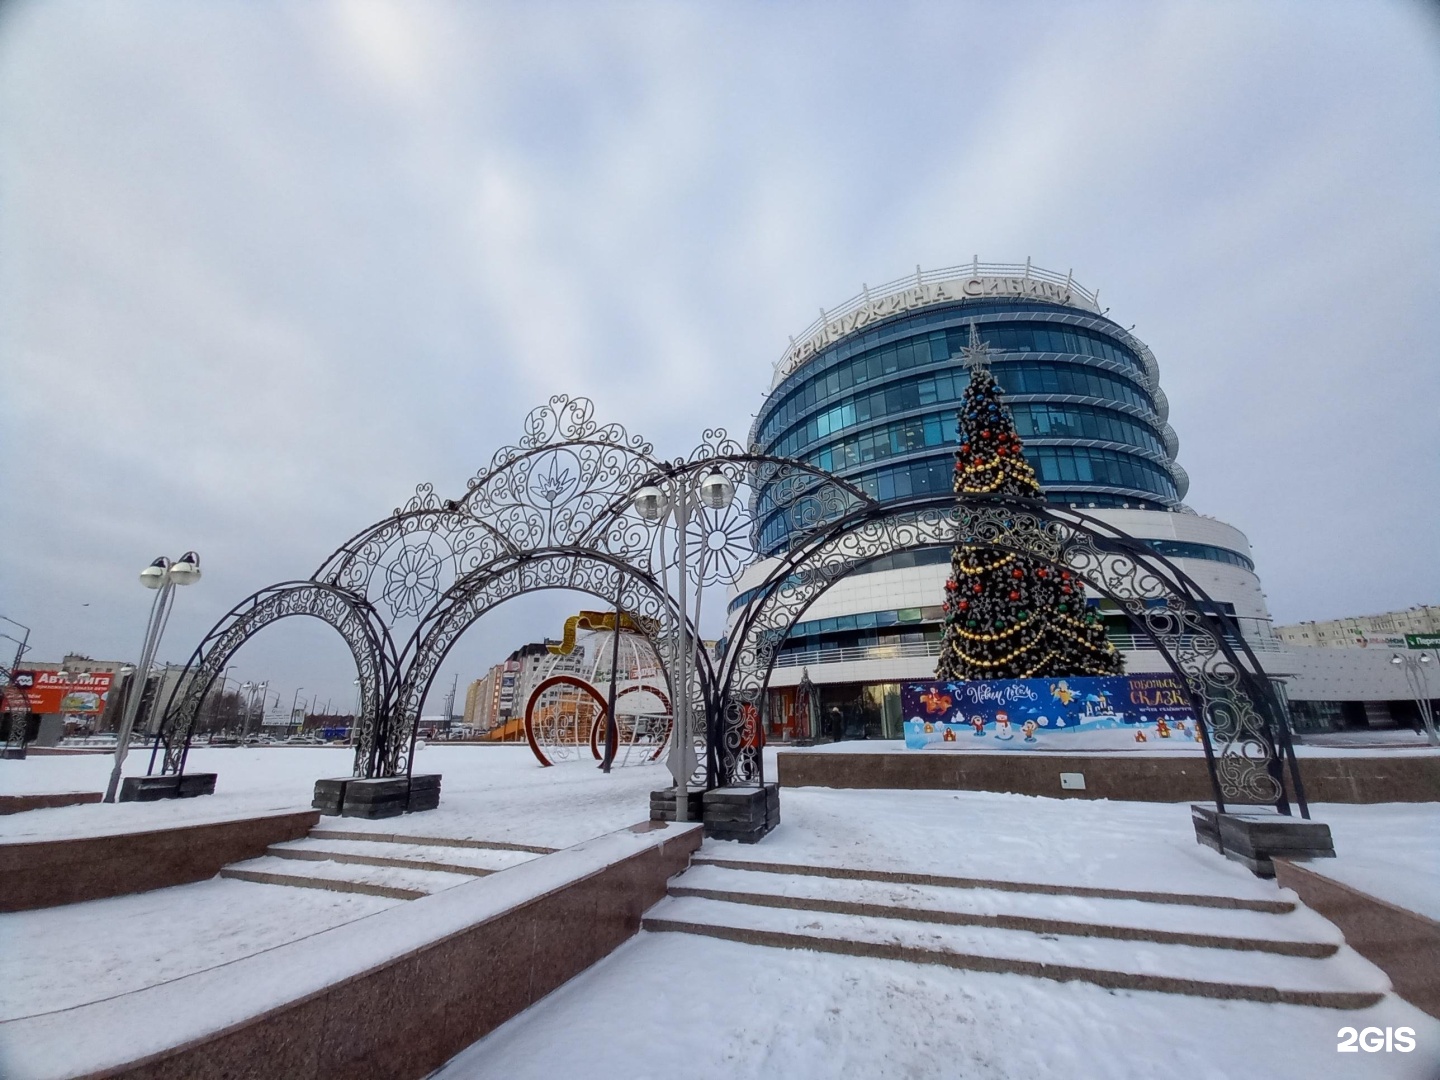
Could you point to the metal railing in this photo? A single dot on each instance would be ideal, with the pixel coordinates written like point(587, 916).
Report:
point(901, 651)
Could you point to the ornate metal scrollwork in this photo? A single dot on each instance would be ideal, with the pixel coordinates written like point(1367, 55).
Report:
point(1244, 730)
point(554, 511)
point(356, 622)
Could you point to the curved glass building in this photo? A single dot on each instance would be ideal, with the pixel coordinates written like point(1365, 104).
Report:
point(869, 392)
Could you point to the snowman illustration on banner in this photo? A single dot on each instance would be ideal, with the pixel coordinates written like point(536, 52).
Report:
point(1002, 726)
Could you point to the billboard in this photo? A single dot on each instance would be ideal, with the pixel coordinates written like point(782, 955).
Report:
point(1112, 712)
point(79, 694)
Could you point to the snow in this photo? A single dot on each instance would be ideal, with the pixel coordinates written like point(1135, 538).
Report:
point(1344, 971)
point(438, 856)
point(1389, 850)
point(59, 958)
point(700, 1008)
point(976, 834)
point(196, 958)
point(1299, 925)
point(89, 1038)
point(495, 792)
point(416, 879)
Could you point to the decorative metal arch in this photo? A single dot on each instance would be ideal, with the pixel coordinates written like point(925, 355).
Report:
point(553, 511)
point(355, 620)
point(1243, 731)
point(599, 575)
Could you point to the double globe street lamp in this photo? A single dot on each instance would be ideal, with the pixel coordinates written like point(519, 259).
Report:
point(1416, 677)
point(680, 497)
point(162, 575)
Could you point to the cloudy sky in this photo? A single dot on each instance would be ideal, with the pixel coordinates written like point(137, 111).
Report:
point(264, 267)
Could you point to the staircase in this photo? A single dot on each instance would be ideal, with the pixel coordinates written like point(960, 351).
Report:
point(379, 864)
point(1209, 946)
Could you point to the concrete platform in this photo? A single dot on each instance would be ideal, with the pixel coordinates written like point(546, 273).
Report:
point(1127, 775)
point(45, 873)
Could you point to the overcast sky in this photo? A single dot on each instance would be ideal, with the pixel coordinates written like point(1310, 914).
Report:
point(264, 267)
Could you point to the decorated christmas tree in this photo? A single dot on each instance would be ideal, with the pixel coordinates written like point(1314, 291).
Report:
point(1008, 616)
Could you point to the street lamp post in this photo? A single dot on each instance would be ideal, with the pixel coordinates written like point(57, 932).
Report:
point(23, 645)
point(161, 575)
point(679, 495)
point(1417, 678)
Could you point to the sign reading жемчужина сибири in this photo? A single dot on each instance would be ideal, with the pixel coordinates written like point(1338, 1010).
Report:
point(1081, 713)
point(967, 287)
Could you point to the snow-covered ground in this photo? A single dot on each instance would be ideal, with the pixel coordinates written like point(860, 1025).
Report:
point(703, 1007)
point(1389, 850)
point(57, 958)
point(494, 792)
point(673, 1005)
point(501, 793)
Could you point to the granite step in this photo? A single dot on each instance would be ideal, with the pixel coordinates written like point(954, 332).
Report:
point(1340, 981)
point(474, 861)
point(893, 877)
point(325, 833)
point(396, 882)
point(1299, 933)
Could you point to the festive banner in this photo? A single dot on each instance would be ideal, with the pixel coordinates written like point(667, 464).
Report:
point(1112, 712)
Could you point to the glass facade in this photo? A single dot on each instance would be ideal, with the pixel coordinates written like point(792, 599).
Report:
point(878, 407)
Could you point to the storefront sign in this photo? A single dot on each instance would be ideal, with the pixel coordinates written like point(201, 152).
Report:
point(1422, 641)
point(1082, 713)
point(82, 694)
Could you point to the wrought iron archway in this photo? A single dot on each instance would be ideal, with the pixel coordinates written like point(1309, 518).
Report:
point(554, 511)
point(1244, 733)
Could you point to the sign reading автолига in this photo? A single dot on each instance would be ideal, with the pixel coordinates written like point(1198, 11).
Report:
point(1082, 713)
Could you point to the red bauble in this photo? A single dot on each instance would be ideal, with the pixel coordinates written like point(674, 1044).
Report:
point(1014, 596)
point(1041, 572)
point(976, 588)
point(964, 604)
point(1018, 573)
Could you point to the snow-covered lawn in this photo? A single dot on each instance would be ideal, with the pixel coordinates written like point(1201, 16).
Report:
point(492, 792)
point(675, 1005)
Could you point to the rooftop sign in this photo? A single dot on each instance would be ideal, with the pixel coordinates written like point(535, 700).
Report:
point(976, 282)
